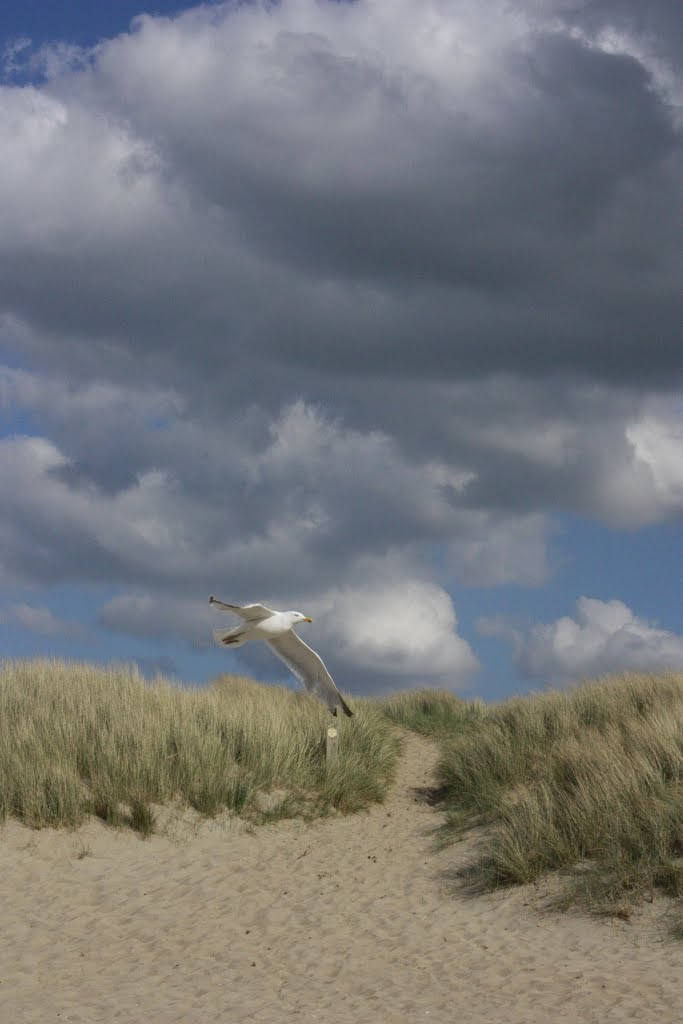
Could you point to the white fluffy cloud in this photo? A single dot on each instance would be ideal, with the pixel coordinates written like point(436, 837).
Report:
point(402, 628)
point(657, 439)
point(603, 636)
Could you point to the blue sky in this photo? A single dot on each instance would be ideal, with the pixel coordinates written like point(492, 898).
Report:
point(367, 309)
point(81, 23)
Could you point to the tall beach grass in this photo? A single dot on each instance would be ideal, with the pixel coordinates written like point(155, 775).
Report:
point(435, 713)
point(587, 781)
point(78, 740)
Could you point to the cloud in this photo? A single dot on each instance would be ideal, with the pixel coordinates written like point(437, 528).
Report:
point(291, 288)
point(403, 628)
point(40, 620)
point(498, 194)
point(603, 636)
point(493, 550)
point(11, 56)
point(159, 616)
point(54, 529)
point(657, 442)
point(310, 489)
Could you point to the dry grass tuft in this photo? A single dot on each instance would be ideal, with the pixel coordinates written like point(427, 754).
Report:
point(435, 713)
point(77, 739)
point(592, 775)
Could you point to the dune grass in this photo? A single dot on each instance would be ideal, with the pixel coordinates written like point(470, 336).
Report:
point(78, 740)
point(587, 781)
point(435, 713)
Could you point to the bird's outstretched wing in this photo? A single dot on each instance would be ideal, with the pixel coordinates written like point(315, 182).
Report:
point(248, 612)
point(310, 669)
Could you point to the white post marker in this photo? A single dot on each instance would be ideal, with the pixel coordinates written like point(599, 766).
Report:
point(332, 744)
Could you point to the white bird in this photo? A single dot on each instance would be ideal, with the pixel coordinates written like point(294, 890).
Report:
point(261, 623)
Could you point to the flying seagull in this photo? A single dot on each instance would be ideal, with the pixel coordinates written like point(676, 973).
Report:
point(261, 623)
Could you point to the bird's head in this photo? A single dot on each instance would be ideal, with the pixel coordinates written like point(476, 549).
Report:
point(299, 617)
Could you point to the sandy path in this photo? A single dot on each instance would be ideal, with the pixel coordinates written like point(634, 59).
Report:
point(349, 920)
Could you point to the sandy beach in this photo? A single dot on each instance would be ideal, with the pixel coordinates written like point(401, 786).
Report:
point(351, 920)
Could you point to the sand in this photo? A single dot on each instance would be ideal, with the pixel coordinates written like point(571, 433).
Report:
point(352, 919)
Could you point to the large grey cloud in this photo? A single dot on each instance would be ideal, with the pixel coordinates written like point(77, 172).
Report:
point(308, 290)
point(506, 198)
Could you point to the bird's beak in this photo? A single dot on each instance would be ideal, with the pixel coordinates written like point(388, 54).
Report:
point(306, 619)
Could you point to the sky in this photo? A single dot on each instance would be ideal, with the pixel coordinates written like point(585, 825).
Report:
point(369, 309)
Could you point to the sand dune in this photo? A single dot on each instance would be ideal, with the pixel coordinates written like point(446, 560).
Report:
point(349, 920)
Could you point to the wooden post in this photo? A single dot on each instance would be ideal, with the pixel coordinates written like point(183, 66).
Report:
point(332, 744)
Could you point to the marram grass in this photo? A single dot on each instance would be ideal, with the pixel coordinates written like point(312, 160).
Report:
point(78, 740)
point(591, 777)
point(435, 713)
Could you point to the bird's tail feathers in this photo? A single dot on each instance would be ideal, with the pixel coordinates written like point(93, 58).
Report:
point(229, 637)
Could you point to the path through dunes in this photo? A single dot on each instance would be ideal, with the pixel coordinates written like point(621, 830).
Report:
point(349, 920)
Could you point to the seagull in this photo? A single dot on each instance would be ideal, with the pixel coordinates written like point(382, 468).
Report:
point(261, 623)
